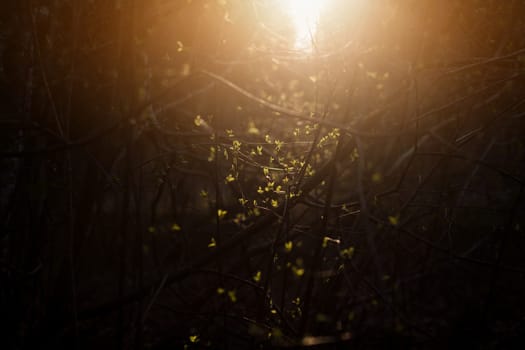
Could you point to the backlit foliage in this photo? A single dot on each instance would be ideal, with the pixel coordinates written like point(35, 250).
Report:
point(192, 170)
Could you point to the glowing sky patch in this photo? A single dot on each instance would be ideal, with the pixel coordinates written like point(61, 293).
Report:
point(305, 17)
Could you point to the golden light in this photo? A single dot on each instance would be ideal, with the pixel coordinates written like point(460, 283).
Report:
point(305, 17)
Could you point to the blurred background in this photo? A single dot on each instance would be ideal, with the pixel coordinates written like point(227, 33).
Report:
point(255, 174)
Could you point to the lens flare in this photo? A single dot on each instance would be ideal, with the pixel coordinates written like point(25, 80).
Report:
point(305, 17)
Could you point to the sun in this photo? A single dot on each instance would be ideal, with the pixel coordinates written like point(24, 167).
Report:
point(305, 17)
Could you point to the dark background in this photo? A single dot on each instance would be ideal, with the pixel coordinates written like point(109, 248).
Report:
point(174, 174)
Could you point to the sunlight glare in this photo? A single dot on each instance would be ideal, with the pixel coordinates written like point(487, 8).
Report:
point(305, 17)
